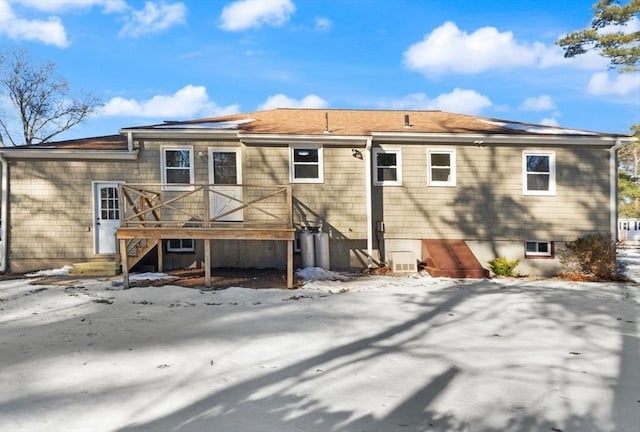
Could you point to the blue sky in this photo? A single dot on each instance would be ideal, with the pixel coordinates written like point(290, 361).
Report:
point(150, 61)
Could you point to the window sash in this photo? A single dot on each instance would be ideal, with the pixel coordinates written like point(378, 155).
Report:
point(388, 167)
point(538, 248)
point(177, 167)
point(538, 173)
point(180, 245)
point(441, 166)
point(306, 164)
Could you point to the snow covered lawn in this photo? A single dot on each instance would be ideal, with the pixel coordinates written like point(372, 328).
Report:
point(378, 353)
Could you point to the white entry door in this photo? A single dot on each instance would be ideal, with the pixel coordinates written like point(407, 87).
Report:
point(225, 173)
point(107, 217)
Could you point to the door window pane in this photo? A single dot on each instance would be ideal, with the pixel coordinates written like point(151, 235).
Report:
point(225, 168)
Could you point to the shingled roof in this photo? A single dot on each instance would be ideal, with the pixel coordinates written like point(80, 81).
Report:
point(364, 122)
point(109, 142)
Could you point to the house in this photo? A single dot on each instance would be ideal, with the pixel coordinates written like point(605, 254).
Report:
point(239, 191)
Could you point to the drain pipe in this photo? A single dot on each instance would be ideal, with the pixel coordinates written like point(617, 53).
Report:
point(4, 240)
point(613, 187)
point(369, 193)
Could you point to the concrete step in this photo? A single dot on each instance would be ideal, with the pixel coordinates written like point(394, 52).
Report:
point(451, 258)
point(98, 267)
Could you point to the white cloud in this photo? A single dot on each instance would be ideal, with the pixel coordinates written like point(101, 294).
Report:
point(549, 121)
point(154, 18)
point(447, 49)
point(49, 31)
point(284, 101)
point(538, 103)
point(459, 101)
point(190, 101)
point(246, 14)
point(323, 24)
point(65, 5)
point(602, 83)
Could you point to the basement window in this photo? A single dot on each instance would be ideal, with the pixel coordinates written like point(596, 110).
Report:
point(538, 249)
point(180, 245)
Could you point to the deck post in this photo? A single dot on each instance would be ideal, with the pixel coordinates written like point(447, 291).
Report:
point(289, 263)
point(124, 263)
point(160, 256)
point(207, 263)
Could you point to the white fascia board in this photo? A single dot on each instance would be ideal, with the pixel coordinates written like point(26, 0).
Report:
point(480, 139)
point(328, 139)
point(69, 154)
point(177, 134)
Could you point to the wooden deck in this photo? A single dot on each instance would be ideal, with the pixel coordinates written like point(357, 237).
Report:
point(151, 213)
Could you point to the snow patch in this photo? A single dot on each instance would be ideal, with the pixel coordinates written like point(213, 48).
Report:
point(317, 273)
point(63, 271)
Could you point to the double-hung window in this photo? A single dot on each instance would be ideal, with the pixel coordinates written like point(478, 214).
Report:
point(177, 167)
point(441, 167)
point(387, 167)
point(539, 173)
point(305, 163)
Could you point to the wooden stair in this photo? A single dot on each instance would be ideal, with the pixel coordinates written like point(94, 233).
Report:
point(103, 266)
point(138, 249)
point(451, 258)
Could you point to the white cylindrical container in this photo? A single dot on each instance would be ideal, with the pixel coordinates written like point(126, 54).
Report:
point(307, 251)
point(322, 250)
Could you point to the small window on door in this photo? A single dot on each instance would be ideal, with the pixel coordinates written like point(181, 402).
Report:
point(180, 245)
point(109, 208)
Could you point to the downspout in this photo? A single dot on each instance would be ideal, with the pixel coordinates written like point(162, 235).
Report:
point(613, 189)
point(4, 214)
point(130, 141)
point(369, 193)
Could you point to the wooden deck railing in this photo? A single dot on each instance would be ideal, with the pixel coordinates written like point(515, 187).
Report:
point(153, 206)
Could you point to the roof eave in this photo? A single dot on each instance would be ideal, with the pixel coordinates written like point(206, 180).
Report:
point(69, 154)
point(165, 134)
point(326, 139)
point(489, 138)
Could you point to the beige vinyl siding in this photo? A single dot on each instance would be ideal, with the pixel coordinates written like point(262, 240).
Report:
point(339, 203)
point(51, 209)
point(488, 203)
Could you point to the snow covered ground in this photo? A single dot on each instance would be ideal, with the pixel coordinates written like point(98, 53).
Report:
point(374, 353)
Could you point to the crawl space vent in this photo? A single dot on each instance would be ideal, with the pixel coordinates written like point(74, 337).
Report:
point(404, 262)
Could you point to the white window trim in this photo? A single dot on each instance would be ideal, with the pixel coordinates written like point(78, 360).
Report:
point(181, 249)
point(163, 167)
point(397, 182)
point(538, 254)
point(452, 158)
point(552, 173)
point(320, 178)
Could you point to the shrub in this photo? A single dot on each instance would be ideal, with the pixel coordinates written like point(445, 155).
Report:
point(502, 266)
point(593, 256)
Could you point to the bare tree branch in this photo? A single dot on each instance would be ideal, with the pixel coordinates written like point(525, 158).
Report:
point(42, 100)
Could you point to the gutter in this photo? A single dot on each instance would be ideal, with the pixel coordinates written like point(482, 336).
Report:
point(369, 200)
point(473, 138)
point(70, 154)
point(4, 244)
